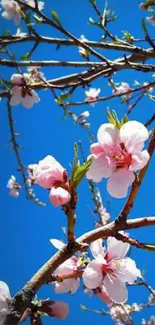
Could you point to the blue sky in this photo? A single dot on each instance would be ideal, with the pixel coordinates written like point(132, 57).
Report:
point(25, 228)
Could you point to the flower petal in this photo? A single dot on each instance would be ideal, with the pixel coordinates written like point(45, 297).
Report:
point(69, 285)
point(96, 148)
point(130, 271)
point(133, 134)
point(97, 248)
point(119, 182)
point(92, 275)
point(116, 289)
point(108, 136)
point(139, 160)
point(57, 243)
point(99, 168)
point(116, 248)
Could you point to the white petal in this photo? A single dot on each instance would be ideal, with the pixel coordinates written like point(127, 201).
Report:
point(108, 136)
point(15, 100)
point(129, 270)
point(97, 248)
point(92, 275)
point(4, 290)
point(57, 243)
point(133, 134)
point(116, 248)
point(119, 182)
point(116, 289)
point(99, 168)
point(139, 160)
point(69, 285)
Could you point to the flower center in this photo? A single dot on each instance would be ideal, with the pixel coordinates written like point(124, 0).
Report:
point(121, 158)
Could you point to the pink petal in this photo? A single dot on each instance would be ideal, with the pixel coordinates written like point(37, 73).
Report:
point(139, 160)
point(57, 243)
point(129, 271)
point(102, 294)
point(14, 100)
point(57, 309)
point(97, 248)
point(116, 289)
point(133, 134)
point(108, 136)
point(96, 148)
point(116, 248)
point(119, 182)
point(69, 285)
point(59, 196)
point(99, 168)
point(92, 275)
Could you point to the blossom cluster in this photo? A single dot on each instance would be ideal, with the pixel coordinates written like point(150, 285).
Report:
point(49, 174)
point(12, 10)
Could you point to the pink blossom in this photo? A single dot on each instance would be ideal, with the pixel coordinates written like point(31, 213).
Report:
point(4, 298)
point(92, 94)
point(124, 87)
point(11, 10)
point(59, 196)
point(84, 115)
point(48, 172)
point(110, 270)
point(67, 285)
point(21, 93)
point(57, 309)
point(117, 155)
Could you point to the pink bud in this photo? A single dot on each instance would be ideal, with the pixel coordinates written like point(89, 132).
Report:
point(57, 309)
point(84, 115)
point(48, 171)
point(17, 79)
point(59, 196)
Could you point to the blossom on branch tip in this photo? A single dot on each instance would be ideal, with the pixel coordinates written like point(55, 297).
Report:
point(59, 196)
point(11, 10)
point(21, 93)
point(13, 186)
point(92, 94)
point(68, 285)
point(124, 87)
point(117, 155)
point(110, 270)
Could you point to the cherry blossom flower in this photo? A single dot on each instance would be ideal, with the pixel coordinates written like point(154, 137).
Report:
point(57, 309)
point(92, 94)
point(21, 93)
point(13, 186)
point(4, 299)
point(83, 52)
point(11, 10)
point(124, 87)
point(67, 285)
point(59, 196)
point(48, 172)
point(151, 20)
point(117, 155)
point(110, 270)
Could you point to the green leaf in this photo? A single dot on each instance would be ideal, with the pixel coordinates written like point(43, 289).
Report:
point(110, 118)
point(92, 21)
point(80, 172)
point(38, 20)
point(2, 50)
point(151, 97)
point(55, 17)
point(26, 56)
point(144, 26)
point(83, 307)
point(62, 98)
point(6, 82)
point(124, 120)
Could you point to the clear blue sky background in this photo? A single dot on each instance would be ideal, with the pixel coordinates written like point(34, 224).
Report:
point(25, 229)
